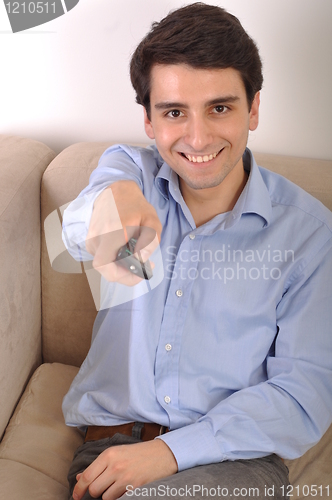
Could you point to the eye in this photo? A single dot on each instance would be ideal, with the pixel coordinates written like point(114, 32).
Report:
point(220, 109)
point(174, 113)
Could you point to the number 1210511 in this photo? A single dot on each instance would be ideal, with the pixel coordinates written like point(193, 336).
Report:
point(305, 490)
point(30, 7)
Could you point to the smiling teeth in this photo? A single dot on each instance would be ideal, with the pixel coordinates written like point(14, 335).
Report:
point(200, 159)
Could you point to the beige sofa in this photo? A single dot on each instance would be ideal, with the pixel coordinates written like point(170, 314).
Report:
point(46, 319)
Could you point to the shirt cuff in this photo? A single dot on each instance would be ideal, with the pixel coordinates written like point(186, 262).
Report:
point(193, 445)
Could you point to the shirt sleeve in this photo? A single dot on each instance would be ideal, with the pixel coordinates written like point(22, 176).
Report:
point(117, 163)
point(289, 412)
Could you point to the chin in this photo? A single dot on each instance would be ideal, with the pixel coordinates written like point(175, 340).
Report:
point(202, 183)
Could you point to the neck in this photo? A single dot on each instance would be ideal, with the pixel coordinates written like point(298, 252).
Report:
point(204, 204)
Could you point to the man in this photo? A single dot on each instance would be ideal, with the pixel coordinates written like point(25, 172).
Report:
point(202, 383)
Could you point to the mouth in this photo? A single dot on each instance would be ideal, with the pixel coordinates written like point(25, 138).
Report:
point(201, 158)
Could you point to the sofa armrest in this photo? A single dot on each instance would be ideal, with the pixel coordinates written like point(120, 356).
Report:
point(22, 163)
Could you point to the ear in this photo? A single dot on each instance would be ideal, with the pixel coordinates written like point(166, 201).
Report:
point(148, 125)
point(254, 113)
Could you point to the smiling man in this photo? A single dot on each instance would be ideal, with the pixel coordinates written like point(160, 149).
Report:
point(203, 382)
point(200, 121)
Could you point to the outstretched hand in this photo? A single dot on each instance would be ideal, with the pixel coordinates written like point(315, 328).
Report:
point(120, 213)
point(121, 466)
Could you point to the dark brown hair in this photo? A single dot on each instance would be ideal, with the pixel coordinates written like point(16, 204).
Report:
point(202, 36)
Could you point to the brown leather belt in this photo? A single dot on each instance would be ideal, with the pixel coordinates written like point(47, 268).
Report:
point(139, 430)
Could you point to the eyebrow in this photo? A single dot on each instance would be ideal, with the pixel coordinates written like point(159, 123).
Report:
point(175, 104)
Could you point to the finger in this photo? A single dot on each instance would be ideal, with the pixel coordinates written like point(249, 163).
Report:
point(87, 477)
point(108, 245)
point(147, 243)
point(152, 221)
point(102, 483)
point(115, 491)
point(114, 265)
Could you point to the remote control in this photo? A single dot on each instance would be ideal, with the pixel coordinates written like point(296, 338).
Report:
point(126, 259)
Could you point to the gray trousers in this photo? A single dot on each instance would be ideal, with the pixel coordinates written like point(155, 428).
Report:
point(259, 478)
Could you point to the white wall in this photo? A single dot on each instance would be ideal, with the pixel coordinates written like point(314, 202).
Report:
point(67, 80)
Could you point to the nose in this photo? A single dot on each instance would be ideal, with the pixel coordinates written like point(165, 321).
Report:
point(198, 133)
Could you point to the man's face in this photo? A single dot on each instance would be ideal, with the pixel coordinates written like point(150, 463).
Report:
point(200, 122)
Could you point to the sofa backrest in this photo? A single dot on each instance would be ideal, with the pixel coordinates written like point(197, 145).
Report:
point(68, 308)
point(314, 176)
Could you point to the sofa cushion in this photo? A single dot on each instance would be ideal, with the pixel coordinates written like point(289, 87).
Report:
point(18, 481)
point(37, 437)
point(314, 468)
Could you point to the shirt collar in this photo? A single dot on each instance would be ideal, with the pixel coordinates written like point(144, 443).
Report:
point(254, 199)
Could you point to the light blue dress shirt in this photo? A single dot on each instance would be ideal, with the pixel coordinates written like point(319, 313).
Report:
point(232, 350)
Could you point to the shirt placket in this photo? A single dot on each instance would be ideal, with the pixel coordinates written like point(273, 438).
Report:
point(167, 366)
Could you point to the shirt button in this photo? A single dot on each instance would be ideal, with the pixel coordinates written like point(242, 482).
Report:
point(167, 399)
point(179, 293)
point(192, 236)
point(168, 347)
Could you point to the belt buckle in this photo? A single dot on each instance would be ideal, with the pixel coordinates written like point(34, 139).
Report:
point(162, 430)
